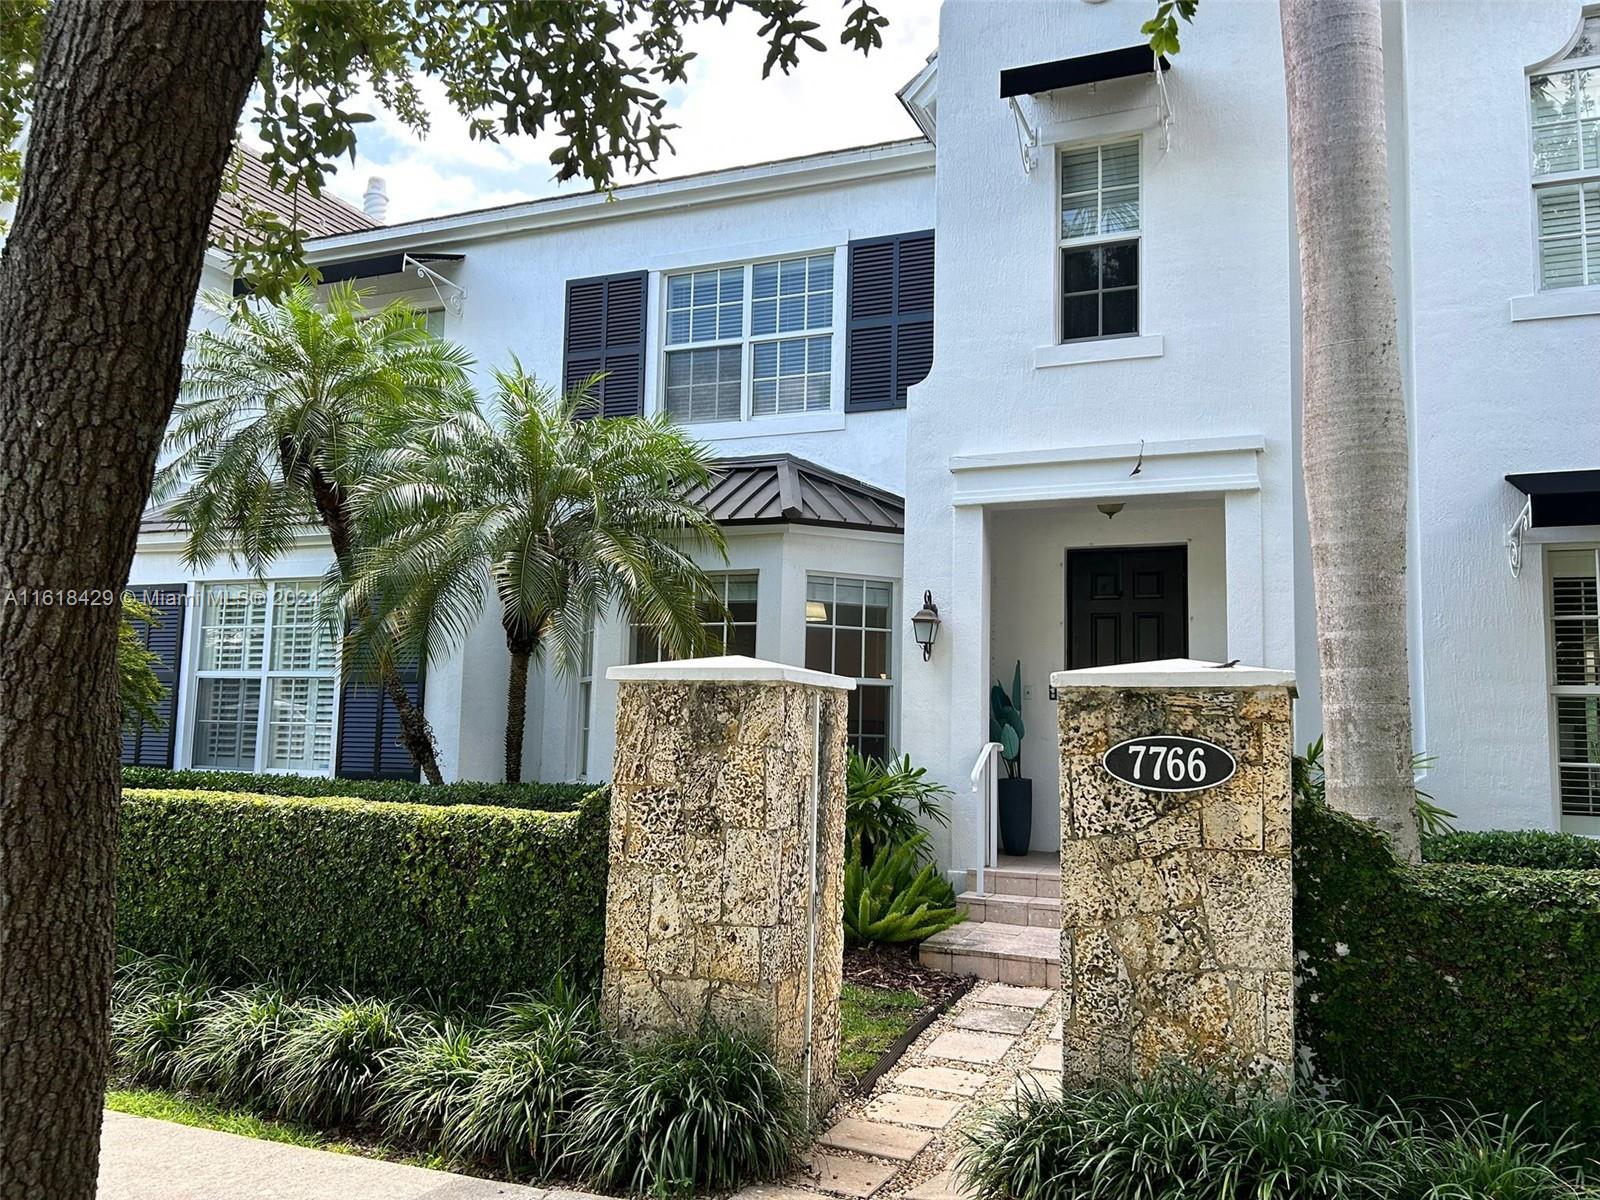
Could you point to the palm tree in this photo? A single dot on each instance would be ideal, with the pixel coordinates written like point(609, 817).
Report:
point(559, 515)
point(1354, 448)
point(281, 406)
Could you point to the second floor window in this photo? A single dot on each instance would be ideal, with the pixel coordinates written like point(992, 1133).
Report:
point(1564, 105)
point(1100, 241)
point(750, 341)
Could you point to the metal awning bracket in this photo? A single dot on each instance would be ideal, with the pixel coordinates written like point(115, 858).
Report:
point(1514, 535)
point(1027, 137)
point(452, 295)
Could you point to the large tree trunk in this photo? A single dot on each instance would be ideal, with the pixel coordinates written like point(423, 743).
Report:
point(416, 734)
point(1353, 411)
point(516, 709)
point(136, 107)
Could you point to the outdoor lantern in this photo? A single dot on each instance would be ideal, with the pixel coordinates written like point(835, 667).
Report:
point(925, 625)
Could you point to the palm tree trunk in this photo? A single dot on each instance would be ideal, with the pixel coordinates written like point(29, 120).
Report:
point(416, 734)
point(516, 710)
point(136, 107)
point(1354, 444)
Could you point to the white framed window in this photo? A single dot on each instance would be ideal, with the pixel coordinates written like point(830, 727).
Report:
point(732, 630)
point(585, 714)
point(849, 632)
point(1099, 240)
point(1564, 111)
point(266, 679)
point(749, 341)
point(1573, 603)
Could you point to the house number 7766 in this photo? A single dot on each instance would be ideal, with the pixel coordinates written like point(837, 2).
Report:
point(1169, 763)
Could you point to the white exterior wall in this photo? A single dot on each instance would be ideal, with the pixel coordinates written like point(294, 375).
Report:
point(1216, 237)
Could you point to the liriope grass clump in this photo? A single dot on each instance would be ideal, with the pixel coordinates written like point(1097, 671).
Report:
point(236, 1032)
point(327, 1067)
point(705, 1112)
point(1183, 1134)
point(156, 1007)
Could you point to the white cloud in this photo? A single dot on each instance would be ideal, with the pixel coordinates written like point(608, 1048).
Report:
point(726, 113)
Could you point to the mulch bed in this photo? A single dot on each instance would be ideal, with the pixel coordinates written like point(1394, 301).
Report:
point(885, 966)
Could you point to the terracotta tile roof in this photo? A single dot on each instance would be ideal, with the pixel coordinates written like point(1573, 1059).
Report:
point(318, 216)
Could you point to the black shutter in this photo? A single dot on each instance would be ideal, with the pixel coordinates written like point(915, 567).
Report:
point(890, 332)
point(142, 745)
point(605, 333)
point(369, 730)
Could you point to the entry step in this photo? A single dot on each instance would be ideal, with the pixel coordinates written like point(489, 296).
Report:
point(1042, 880)
point(1029, 956)
point(1041, 911)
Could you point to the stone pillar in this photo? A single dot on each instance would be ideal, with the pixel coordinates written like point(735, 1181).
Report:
point(1176, 939)
point(727, 800)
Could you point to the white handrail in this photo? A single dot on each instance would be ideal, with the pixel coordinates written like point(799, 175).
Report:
point(984, 767)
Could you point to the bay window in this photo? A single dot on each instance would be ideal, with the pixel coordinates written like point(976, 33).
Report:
point(848, 633)
point(731, 628)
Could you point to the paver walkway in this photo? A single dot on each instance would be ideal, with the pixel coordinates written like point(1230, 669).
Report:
point(145, 1159)
point(900, 1140)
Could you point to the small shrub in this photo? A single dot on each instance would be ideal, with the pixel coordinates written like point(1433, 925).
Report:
point(706, 1112)
point(156, 1005)
point(1534, 848)
point(899, 898)
point(539, 797)
point(326, 1067)
point(518, 1108)
point(235, 1034)
point(886, 804)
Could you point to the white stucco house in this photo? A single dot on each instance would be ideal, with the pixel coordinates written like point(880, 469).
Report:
point(1040, 361)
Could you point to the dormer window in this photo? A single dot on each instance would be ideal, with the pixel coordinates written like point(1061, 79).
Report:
point(1564, 106)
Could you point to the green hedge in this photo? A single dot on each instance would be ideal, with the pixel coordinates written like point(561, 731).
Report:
point(1515, 848)
point(545, 797)
point(463, 903)
point(1448, 981)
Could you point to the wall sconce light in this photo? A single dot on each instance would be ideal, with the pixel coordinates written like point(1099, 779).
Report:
point(1110, 509)
point(925, 625)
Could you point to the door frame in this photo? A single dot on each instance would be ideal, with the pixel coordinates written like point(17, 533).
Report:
point(1066, 586)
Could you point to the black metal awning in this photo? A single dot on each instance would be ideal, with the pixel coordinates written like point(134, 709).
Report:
point(1073, 72)
point(373, 266)
point(1560, 497)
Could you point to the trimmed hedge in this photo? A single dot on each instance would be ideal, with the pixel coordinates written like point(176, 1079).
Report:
point(463, 903)
point(1447, 981)
point(543, 797)
point(1515, 848)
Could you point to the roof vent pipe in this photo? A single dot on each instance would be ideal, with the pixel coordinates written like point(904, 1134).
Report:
point(376, 201)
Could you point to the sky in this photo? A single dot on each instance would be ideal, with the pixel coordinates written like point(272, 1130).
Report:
point(727, 114)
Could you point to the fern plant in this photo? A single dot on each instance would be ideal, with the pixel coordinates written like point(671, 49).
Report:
point(898, 898)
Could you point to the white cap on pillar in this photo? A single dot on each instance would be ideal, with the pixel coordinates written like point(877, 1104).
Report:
point(1173, 673)
point(728, 668)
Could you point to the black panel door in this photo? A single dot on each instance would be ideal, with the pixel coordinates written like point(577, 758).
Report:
point(1127, 605)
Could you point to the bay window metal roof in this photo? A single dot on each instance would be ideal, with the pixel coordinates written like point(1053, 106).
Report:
point(779, 488)
point(1560, 497)
point(1078, 70)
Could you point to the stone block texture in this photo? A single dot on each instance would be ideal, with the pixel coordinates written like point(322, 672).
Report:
point(708, 900)
point(1176, 940)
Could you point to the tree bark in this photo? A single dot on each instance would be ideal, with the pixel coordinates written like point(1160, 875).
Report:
point(1354, 443)
point(135, 112)
point(416, 734)
point(516, 709)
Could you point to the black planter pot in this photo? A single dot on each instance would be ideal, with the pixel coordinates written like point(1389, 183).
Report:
point(1016, 815)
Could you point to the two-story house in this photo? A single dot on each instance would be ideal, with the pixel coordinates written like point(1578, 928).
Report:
point(1041, 362)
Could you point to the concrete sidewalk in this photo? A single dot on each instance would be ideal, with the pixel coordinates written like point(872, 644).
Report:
point(144, 1159)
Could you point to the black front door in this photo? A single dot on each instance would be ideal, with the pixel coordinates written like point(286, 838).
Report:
point(1128, 605)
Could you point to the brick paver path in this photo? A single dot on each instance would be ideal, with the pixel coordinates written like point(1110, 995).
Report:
point(900, 1141)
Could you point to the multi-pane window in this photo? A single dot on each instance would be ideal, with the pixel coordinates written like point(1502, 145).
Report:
point(266, 678)
point(1100, 241)
point(1565, 110)
point(730, 621)
point(848, 630)
point(1575, 678)
point(750, 341)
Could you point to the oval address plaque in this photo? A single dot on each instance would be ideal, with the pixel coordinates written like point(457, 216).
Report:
point(1164, 762)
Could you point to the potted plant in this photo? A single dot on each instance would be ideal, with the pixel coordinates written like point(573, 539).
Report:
point(1015, 792)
